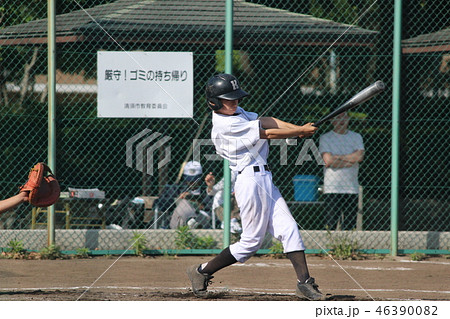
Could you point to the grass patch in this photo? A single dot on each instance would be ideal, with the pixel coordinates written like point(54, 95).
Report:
point(417, 256)
point(185, 239)
point(342, 246)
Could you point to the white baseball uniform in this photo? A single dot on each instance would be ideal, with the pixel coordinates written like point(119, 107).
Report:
point(262, 208)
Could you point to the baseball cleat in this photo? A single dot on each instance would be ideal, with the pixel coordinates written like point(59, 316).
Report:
point(199, 281)
point(309, 289)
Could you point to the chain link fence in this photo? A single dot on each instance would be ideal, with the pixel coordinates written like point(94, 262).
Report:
point(297, 59)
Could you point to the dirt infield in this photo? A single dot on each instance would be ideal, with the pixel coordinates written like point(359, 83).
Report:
point(260, 278)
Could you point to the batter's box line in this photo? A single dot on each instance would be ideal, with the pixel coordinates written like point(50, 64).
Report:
point(400, 290)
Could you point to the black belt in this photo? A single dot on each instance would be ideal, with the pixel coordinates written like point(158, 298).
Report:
point(256, 169)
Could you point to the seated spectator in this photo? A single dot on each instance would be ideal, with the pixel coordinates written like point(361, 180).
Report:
point(217, 190)
point(178, 204)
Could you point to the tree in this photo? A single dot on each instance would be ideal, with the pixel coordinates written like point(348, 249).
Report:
point(19, 64)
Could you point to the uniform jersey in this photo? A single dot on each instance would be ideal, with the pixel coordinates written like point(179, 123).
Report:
point(236, 138)
point(341, 180)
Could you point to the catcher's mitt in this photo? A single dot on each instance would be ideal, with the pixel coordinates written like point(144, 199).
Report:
point(42, 186)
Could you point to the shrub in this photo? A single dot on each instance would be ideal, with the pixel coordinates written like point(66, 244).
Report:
point(83, 252)
point(51, 252)
point(276, 250)
point(139, 243)
point(416, 256)
point(16, 247)
point(342, 247)
point(185, 239)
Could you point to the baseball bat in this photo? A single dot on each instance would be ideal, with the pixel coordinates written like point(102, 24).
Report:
point(359, 98)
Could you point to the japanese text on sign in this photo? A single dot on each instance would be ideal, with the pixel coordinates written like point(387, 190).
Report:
point(143, 75)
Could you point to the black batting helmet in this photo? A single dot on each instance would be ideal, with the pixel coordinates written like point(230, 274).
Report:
point(223, 86)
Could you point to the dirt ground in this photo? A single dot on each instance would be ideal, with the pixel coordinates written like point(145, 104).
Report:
point(261, 278)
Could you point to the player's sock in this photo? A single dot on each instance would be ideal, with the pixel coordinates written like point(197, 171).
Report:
point(298, 260)
point(201, 267)
point(222, 260)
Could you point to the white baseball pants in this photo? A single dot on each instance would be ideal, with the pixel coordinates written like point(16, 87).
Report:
point(262, 210)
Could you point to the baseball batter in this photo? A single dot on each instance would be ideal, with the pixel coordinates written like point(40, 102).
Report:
point(241, 138)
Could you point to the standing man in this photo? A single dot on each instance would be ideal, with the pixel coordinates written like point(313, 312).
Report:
point(242, 138)
point(342, 150)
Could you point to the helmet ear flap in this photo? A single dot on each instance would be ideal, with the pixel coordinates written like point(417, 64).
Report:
point(214, 103)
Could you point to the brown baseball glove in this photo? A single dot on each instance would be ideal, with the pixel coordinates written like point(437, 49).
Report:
point(42, 186)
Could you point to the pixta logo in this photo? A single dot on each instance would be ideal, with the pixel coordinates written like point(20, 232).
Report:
point(140, 150)
point(309, 151)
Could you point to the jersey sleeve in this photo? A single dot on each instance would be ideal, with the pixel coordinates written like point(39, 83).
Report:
point(246, 131)
point(251, 115)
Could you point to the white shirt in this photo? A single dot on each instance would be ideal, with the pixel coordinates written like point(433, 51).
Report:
point(345, 179)
point(237, 139)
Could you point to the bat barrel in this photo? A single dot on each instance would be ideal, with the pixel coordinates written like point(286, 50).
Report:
point(361, 97)
point(380, 85)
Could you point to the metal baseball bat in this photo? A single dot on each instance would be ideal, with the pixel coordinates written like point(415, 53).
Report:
point(359, 98)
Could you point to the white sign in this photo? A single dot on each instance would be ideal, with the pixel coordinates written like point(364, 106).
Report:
point(145, 84)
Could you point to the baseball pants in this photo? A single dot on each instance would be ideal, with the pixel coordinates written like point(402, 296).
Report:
point(262, 210)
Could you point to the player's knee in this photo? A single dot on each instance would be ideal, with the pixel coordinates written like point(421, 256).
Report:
point(252, 246)
point(288, 230)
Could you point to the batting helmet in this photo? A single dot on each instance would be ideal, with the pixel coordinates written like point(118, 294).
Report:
point(223, 86)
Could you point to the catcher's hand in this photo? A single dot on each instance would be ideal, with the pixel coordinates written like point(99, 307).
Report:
point(42, 186)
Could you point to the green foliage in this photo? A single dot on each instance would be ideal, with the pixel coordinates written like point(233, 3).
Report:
point(207, 242)
point(15, 251)
point(417, 256)
point(139, 243)
point(51, 252)
point(239, 61)
point(83, 252)
point(276, 250)
point(340, 10)
point(16, 247)
point(185, 239)
point(342, 247)
point(17, 12)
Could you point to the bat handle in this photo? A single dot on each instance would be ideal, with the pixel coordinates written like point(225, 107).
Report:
point(292, 140)
point(318, 123)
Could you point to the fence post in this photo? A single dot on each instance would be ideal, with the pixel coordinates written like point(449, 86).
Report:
point(51, 78)
point(226, 169)
point(396, 94)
